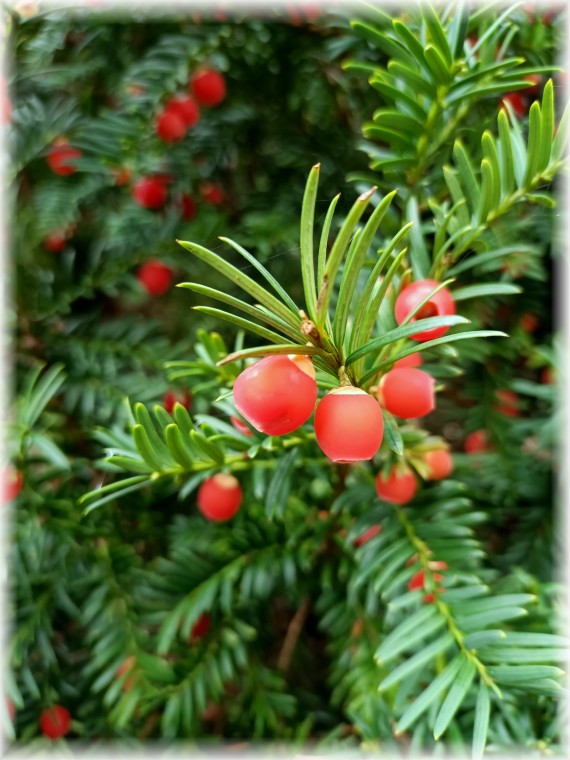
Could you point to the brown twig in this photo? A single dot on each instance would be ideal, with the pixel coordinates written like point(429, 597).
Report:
point(293, 633)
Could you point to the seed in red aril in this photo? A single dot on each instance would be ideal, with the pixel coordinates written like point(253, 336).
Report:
point(440, 464)
point(212, 194)
point(12, 481)
point(209, 87)
point(240, 426)
point(368, 535)
point(201, 627)
point(55, 242)
point(219, 497)
point(440, 305)
point(478, 443)
point(60, 158)
point(149, 192)
point(349, 425)
point(55, 722)
point(529, 322)
point(176, 397)
point(277, 394)
point(413, 360)
point(408, 393)
point(124, 668)
point(187, 207)
point(155, 277)
point(170, 127)
point(398, 488)
point(185, 108)
point(508, 403)
point(516, 102)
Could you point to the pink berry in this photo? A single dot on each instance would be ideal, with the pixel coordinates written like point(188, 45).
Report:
point(277, 394)
point(55, 722)
point(149, 192)
point(219, 497)
point(185, 108)
point(155, 277)
point(408, 393)
point(349, 425)
point(60, 156)
point(509, 403)
point(398, 488)
point(170, 127)
point(477, 442)
point(440, 464)
point(440, 305)
point(413, 360)
point(176, 397)
point(209, 87)
point(240, 426)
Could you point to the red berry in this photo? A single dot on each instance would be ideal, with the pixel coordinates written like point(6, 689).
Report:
point(529, 322)
point(417, 580)
point(413, 360)
point(149, 192)
point(277, 394)
point(170, 127)
point(477, 443)
point(187, 206)
point(60, 156)
point(55, 242)
point(509, 403)
point(124, 668)
point(408, 393)
point(517, 103)
point(349, 425)
point(209, 87)
point(212, 194)
point(440, 464)
point(398, 488)
point(240, 426)
point(219, 497)
point(55, 722)
point(442, 304)
point(185, 108)
point(368, 535)
point(201, 627)
point(12, 482)
point(176, 397)
point(155, 277)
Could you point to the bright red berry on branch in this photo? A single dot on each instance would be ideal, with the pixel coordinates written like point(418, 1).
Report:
point(440, 464)
point(176, 397)
point(368, 535)
point(185, 108)
point(440, 305)
point(478, 443)
point(399, 487)
point(212, 194)
point(170, 127)
point(124, 669)
point(209, 87)
point(413, 360)
point(219, 497)
point(201, 627)
point(509, 403)
point(408, 392)
point(12, 481)
point(277, 394)
point(155, 277)
point(349, 425)
point(55, 722)
point(61, 156)
point(149, 192)
point(187, 207)
point(240, 426)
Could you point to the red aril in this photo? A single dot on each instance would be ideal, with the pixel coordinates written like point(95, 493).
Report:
point(240, 426)
point(219, 497)
point(440, 305)
point(209, 87)
point(170, 127)
point(408, 393)
point(399, 487)
point(55, 722)
point(508, 403)
point(187, 207)
point(185, 108)
point(212, 194)
point(201, 627)
point(176, 397)
point(440, 464)
point(155, 277)
point(413, 360)
point(61, 156)
point(149, 192)
point(368, 535)
point(478, 443)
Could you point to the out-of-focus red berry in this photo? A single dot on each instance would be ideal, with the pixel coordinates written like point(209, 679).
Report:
point(61, 156)
point(517, 103)
point(209, 87)
point(55, 242)
point(149, 192)
point(240, 426)
point(478, 443)
point(508, 403)
point(219, 497)
point(124, 669)
point(185, 108)
point(408, 392)
point(55, 722)
point(413, 360)
point(176, 397)
point(440, 464)
point(442, 304)
point(187, 207)
point(12, 482)
point(349, 425)
point(170, 127)
point(201, 627)
point(155, 277)
point(277, 394)
point(368, 535)
point(529, 322)
point(212, 194)
point(398, 488)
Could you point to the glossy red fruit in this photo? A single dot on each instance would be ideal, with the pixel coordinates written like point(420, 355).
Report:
point(349, 425)
point(212, 194)
point(149, 192)
point(368, 535)
point(399, 487)
point(12, 482)
point(55, 722)
point(219, 497)
point(517, 103)
point(442, 304)
point(209, 87)
point(277, 394)
point(478, 443)
point(240, 426)
point(155, 277)
point(187, 206)
point(170, 127)
point(60, 158)
point(413, 360)
point(124, 668)
point(508, 403)
point(440, 464)
point(176, 397)
point(185, 108)
point(408, 392)
point(55, 242)
point(201, 627)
